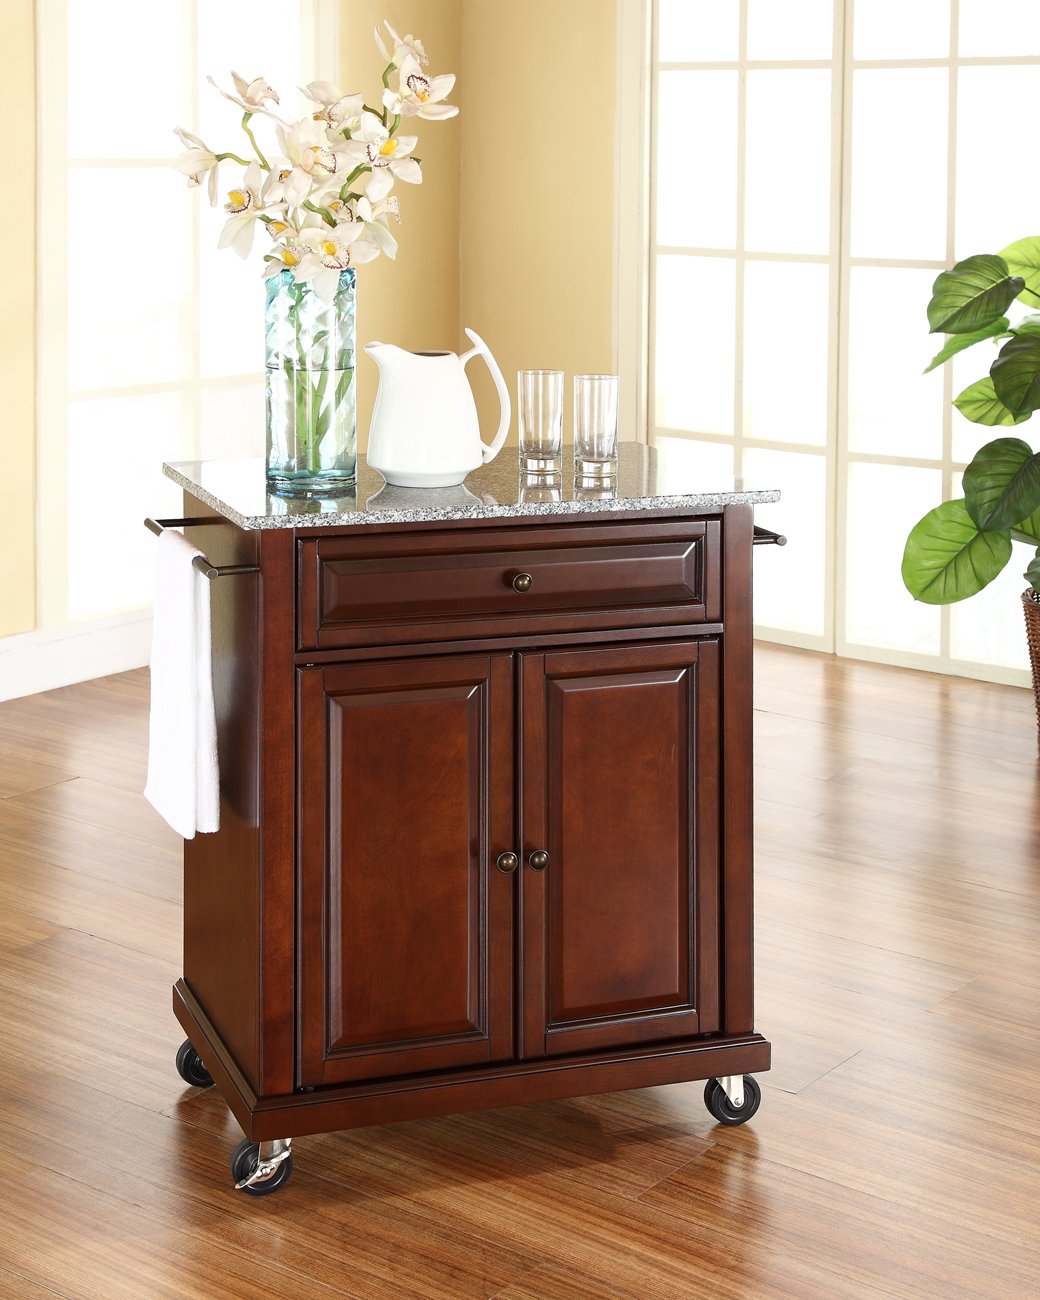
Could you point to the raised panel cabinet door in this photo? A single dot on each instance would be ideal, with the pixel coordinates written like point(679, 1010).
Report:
point(406, 801)
point(620, 873)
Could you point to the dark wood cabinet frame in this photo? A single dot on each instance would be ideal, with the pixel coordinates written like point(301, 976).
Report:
point(638, 627)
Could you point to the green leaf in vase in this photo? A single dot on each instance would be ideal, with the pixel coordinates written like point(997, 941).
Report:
point(974, 293)
point(1016, 375)
point(958, 342)
point(1002, 484)
point(947, 559)
point(980, 404)
point(1023, 259)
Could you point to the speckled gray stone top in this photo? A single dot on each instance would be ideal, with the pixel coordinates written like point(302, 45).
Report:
point(237, 489)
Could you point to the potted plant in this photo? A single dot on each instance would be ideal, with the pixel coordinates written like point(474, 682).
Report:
point(959, 547)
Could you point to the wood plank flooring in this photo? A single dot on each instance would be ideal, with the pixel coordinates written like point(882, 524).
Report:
point(896, 1153)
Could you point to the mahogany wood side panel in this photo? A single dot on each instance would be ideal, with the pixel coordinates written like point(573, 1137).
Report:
point(738, 931)
point(406, 802)
point(618, 766)
point(277, 938)
point(389, 590)
point(222, 871)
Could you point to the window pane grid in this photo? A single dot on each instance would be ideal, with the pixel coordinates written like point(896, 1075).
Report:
point(920, 454)
point(154, 388)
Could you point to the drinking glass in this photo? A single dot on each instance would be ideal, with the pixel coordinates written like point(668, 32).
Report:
point(540, 406)
point(539, 488)
point(595, 426)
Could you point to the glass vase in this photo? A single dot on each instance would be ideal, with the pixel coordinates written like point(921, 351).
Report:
point(311, 398)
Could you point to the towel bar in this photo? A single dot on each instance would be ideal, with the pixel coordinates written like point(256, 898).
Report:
point(766, 537)
point(200, 562)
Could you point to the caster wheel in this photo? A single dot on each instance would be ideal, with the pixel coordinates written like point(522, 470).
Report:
point(244, 1162)
point(719, 1104)
point(190, 1067)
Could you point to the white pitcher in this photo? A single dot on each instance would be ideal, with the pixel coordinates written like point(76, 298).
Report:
point(425, 431)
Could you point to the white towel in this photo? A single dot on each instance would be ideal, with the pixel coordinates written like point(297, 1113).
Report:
point(183, 778)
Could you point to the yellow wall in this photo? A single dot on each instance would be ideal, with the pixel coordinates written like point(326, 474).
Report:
point(414, 300)
point(17, 331)
point(538, 96)
point(512, 230)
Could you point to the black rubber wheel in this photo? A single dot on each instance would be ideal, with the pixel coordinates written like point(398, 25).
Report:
point(190, 1067)
point(719, 1104)
point(245, 1160)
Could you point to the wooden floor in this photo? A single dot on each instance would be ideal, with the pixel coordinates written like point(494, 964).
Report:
point(897, 1150)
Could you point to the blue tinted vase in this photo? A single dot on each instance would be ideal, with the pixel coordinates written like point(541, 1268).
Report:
point(311, 396)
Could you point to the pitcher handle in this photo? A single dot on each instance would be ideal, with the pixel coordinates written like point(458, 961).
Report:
point(481, 348)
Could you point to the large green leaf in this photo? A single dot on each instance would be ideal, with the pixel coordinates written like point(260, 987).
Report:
point(1016, 375)
point(1027, 530)
point(1027, 325)
point(1002, 484)
point(958, 342)
point(1023, 258)
point(980, 404)
point(974, 293)
point(948, 559)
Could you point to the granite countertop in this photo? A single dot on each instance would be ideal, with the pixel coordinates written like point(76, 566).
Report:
point(237, 489)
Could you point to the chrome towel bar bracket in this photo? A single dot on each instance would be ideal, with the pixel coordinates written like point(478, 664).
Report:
point(766, 537)
point(200, 562)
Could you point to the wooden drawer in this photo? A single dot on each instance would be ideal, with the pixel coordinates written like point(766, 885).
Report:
point(356, 590)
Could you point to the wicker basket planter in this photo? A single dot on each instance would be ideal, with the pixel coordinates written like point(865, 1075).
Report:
point(1031, 605)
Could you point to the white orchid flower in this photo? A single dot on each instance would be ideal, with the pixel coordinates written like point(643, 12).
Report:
point(339, 112)
point(287, 252)
point(387, 155)
point(196, 161)
point(401, 47)
point(419, 95)
point(374, 218)
point(327, 252)
point(252, 95)
point(307, 147)
point(286, 184)
point(244, 207)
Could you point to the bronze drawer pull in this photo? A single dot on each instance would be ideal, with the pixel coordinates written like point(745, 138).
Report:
point(507, 862)
point(523, 582)
point(539, 860)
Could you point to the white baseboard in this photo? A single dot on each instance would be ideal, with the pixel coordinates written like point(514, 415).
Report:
point(42, 660)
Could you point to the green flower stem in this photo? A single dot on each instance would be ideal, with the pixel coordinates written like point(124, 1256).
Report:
point(252, 140)
point(345, 192)
point(223, 157)
point(397, 123)
point(387, 71)
point(375, 112)
point(325, 213)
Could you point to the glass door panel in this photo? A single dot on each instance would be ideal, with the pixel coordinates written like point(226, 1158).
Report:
point(786, 350)
point(788, 155)
point(697, 169)
point(694, 343)
point(899, 119)
point(800, 566)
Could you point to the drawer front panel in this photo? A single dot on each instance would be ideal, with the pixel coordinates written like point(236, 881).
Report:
point(357, 591)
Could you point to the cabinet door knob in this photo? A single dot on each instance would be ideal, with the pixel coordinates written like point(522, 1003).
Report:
point(539, 860)
point(523, 582)
point(507, 862)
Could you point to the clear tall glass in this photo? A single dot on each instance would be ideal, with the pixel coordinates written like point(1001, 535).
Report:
point(595, 426)
point(540, 412)
point(311, 424)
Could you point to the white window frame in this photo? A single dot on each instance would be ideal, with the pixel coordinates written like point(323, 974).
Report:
point(836, 450)
point(319, 34)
